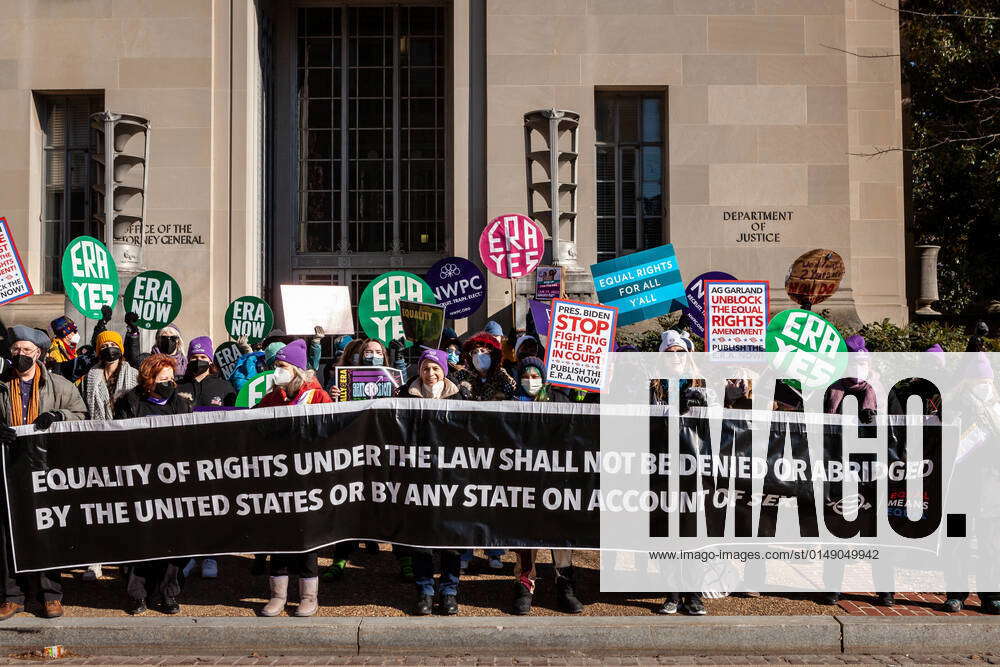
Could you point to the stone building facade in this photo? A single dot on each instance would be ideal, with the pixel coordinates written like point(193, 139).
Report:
point(326, 142)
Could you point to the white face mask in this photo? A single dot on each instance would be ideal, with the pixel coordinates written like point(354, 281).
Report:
point(482, 361)
point(282, 376)
point(531, 385)
point(74, 338)
point(983, 391)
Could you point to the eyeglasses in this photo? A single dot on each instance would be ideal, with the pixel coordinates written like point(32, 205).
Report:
point(25, 350)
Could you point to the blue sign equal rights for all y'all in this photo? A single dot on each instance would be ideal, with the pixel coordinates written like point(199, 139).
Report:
point(642, 285)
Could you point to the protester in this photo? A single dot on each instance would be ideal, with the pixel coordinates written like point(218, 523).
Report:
point(253, 363)
point(294, 384)
point(484, 378)
point(532, 387)
point(154, 395)
point(453, 348)
point(202, 384)
point(432, 382)
point(678, 345)
point(32, 395)
point(65, 339)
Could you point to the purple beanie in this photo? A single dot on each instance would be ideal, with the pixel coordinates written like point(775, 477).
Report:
point(981, 368)
point(439, 357)
point(856, 343)
point(201, 345)
point(294, 353)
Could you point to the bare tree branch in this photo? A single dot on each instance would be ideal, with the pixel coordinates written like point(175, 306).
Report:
point(861, 55)
point(987, 138)
point(935, 16)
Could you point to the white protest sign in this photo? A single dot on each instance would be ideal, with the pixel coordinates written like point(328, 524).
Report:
point(14, 282)
point(309, 306)
point(581, 338)
point(736, 313)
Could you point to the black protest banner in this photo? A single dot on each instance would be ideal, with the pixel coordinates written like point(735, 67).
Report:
point(417, 472)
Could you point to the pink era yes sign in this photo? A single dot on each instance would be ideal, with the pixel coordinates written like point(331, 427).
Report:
point(511, 246)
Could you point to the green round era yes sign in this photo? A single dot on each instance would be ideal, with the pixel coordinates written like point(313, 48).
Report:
point(378, 309)
point(249, 316)
point(90, 277)
point(806, 348)
point(155, 297)
point(254, 391)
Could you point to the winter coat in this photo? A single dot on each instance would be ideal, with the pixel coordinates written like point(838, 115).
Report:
point(135, 404)
point(412, 390)
point(57, 393)
point(100, 402)
point(247, 366)
point(210, 392)
point(497, 384)
point(310, 393)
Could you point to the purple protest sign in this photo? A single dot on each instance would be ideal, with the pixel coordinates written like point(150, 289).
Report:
point(695, 293)
point(540, 314)
point(458, 285)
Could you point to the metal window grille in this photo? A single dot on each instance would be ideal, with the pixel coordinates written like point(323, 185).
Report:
point(630, 164)
point(371, 121)
point(68, 177)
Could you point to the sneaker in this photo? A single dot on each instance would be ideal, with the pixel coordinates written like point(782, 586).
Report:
point(694, 607)
point(424, 605)
point(335, 572)
point(952, 605)
point(448, 605)
point(668, 607)
point(406, 568)
point(209, 569)
point(496, 563)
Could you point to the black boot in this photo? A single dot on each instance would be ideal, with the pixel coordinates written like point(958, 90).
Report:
point(424, 605)
point(565, 595)
point(522, 600)
point(886, 599)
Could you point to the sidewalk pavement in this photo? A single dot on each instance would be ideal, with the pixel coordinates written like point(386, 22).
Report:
point(507, 636)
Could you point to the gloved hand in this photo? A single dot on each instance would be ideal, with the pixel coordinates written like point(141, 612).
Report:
point(130, 323)
point(106, 313)
point(46, 419)
point(319, 334)
point(7, 435)
point(465, 390)
point(243, 345)
point(867, 416)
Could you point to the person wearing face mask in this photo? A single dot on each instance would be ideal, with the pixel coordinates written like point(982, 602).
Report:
point(483, 378)
point(294, 384)
point(532, 387)
point(64, 340)
point(432, 382)
point(32, 395)
point(170, 343)
point(453, 348)
point(372, 353)
point(201, 383)
point(155, 395)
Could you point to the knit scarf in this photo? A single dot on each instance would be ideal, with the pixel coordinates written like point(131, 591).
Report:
point(100, 402)
point(16, 407)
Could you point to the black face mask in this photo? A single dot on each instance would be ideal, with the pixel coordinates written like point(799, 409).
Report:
point(167, 344)
point(198, 366)
point(165, 389)
point(110, 354)
point(22, 362)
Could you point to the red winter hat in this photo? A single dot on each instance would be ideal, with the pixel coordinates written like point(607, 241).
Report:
point(482, 339)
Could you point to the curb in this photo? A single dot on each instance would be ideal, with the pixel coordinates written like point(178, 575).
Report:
point(501, 636)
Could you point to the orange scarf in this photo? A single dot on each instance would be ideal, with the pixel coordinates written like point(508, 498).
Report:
point(16, 407)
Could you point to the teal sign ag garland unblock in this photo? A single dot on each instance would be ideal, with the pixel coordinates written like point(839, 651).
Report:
point(642, 285)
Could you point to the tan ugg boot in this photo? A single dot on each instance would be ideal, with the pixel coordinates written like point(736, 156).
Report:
point(308, 596)
point(279, 596)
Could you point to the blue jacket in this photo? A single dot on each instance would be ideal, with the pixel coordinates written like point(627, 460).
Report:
point(247, 366)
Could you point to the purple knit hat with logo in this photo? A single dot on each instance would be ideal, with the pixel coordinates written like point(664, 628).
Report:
point(294, 353)
point(439, 357)
point(201, 345)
